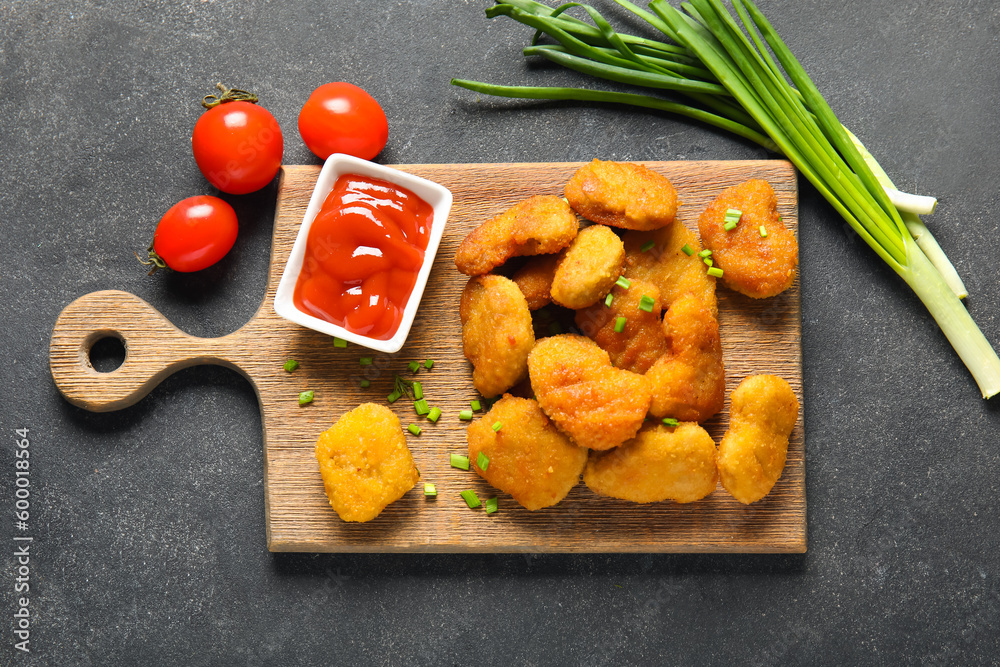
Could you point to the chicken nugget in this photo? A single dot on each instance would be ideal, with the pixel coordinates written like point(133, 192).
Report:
point(365, 463)
point(597, 405)
point(534, 279)
point(660, 463)
point(588, 267)
point(539, 225)
point(665, 264)
point(526, 456)
point(689, 381)
point(762, 413)
point(753, 264)
point(622, 194)
point(497, 334)
point(641, 341)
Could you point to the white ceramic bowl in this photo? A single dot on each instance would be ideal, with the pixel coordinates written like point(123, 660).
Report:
point(438, 196)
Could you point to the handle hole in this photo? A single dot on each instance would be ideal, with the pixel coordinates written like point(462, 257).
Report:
point(107, 354)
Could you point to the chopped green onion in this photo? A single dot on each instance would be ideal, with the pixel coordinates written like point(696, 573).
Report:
point(475, 404)
point(646, 303)
point(648, 245)
point(420, 406)
point(434, 414)
point(670, 421)
point(429, 364)
point(705, 253)
point(729, 226)
point(430, 490)
point(339, 342)
point(365, 361)
point(465, 415)
point(418, 390)
point(305, 397)
point(763, 232)
point(414, 429)
point(471, 499)
point(413, 366)
point(497, 426)
point(620, 324)
point(491, 505)
point(608, 299)
point(365, 384)
point(708, 261)
point(291, 365)
point(733, 215)
point(623, 282)
point(715, 272)
point(459, 461)
point(482, 460)
point(394, 396)
point(688, 250)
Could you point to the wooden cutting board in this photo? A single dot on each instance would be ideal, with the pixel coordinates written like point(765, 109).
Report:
point(758, 337)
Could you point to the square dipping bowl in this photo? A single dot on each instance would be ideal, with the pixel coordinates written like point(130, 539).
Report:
point(439, 198)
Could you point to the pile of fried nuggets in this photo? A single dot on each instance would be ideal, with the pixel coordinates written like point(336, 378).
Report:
point(648, 344)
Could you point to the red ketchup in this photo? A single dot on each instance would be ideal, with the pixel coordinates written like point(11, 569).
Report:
point(364, 251)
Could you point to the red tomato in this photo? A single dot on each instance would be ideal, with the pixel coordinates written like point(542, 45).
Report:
point(237, 146)
point(342, 118)
point(194, 234)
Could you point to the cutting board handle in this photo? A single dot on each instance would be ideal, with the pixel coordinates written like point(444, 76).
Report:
point(154, 349)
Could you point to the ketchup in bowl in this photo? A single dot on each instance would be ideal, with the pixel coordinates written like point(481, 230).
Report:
point(364, 251)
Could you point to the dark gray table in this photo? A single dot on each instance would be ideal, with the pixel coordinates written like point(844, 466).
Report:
point(148, 523)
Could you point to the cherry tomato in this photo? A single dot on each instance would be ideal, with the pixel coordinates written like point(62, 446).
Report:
point(238, 146)
point(342, 118)
point(194, 234)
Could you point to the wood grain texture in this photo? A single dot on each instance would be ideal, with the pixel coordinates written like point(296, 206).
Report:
point(758, 337)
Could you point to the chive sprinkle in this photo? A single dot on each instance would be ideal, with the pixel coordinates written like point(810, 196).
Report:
point(420, 406)
point(459, 461)
point(365, 361)
point(708, 261)
point(465, 415)
point(339, 342)
point(291, 365)
point(471, 499)
point(623, 282)
point(482, 461)
point(394, 396)
point(305, 397)
point(763, 232)
point(705, 253)
point(648, 245)
point(670, 421)
point(688, 250)
point(729, 226)
point(414, 429)
point(434, 414)
point(418, 390)
point(475, 404)
point(430, 490)
point(429, 364)
point(413, 366)
point(365, 384)
point(491, 505)
point(497, 426)
point(646, 303)
point(715, 271)
point(608, 299)
point(620, 324)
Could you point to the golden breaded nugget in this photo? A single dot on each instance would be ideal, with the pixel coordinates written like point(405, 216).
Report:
point(689, 381)
point(762, 413)
point(528, 457)
point(622, 194)
point(642, 341)
point(754, 265)
point(667, 266)
point(588, 267)
point(365, 462)
point(597, 405)
point(660, 463)
point(496, 333)
point(534, 279)
point(539, 225)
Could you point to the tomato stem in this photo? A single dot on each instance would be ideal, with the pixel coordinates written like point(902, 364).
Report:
point(155, 260)
point(228, 95)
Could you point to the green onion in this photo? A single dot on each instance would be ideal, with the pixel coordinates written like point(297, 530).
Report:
point(497, 426)
point(648, 245)
point(394, 396)
point(705, 253)
point(418, 390)
point(413, 366)
point(459, 461)
point(482, 460)
point(715, 271)
point(763, 232)
point(475, 404)
point(434, 414)
point(291, 365)
point(623, 282)
point(465, 415)
point(620, 324)
point(430, 490)
point(414, 429)
point(305, 397)
point(733, 215)
point(365, 361)
point(688, 250)
point(365, 384)
point(339, 342)
point(491, 505)
point(471, 499)
point(608, 299)
point(420, 406)
point(729, 226)
point(670, 421)
point(709, 261)
point(646, 303)
point(429, 364)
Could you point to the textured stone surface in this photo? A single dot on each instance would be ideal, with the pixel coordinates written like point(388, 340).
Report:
point(148, 523)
